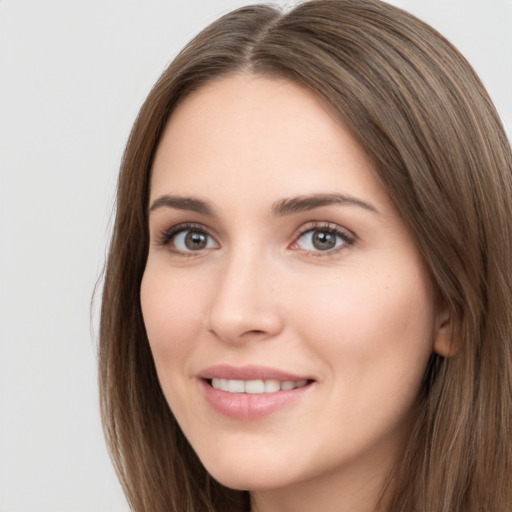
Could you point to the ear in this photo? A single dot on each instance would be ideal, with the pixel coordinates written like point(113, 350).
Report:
point(445, 344)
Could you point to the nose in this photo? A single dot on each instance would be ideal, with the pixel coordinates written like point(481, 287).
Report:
point(245, 304)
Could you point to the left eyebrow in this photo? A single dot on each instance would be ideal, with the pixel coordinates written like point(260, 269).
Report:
point(182, 203)
point(299, 204)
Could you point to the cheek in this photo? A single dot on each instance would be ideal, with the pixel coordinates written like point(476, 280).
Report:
point(171, 312)
point(371, 324)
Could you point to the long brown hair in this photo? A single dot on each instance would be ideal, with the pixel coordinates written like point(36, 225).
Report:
point(422, 115)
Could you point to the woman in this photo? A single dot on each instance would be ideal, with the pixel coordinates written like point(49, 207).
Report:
point(308, 293)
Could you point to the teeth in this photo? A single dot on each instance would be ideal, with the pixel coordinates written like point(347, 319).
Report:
point(256, 386)
point(287, 384)
point(233, 386)
point(271, 386)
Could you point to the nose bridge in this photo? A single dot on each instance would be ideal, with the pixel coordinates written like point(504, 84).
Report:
point(244, 304)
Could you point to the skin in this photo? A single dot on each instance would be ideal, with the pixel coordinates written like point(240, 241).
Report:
point(360, 319)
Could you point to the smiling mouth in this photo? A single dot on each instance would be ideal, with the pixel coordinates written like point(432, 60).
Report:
point(256, 386)
point(252, 392)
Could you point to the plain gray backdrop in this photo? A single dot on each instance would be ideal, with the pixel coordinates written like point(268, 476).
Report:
point(72, 77)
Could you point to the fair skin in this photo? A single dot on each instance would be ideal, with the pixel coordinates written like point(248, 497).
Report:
point(276, 255)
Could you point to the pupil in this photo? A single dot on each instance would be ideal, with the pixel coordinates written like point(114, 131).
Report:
point(195, 241)
point(323, 240)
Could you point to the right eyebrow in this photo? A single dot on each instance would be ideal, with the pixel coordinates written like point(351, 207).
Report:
point(182, 203)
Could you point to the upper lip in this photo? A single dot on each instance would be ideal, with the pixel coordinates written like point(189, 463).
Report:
point(249, 372)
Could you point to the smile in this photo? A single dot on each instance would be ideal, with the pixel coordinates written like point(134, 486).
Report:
point(255, 386)
point(252, 392)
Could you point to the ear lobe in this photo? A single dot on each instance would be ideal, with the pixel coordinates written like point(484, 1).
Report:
point(444, 342)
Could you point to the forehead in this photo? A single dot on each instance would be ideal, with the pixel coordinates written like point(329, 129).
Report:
point(261, 136)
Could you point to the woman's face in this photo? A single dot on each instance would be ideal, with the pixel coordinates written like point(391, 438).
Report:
point(288, 310)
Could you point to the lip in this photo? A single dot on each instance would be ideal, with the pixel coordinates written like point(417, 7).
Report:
point(248, 372)
point(246, 406)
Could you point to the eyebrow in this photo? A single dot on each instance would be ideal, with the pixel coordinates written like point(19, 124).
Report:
point(310, 202)
point(182, 203)
point(281, 208)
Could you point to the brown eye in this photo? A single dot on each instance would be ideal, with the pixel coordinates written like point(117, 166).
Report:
point(195, 241)
point(192, 240)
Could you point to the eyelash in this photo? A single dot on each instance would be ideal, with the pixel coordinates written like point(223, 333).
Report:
point(348, 238)
point(166, 237)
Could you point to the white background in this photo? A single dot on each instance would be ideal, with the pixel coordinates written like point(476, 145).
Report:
point(72, 77)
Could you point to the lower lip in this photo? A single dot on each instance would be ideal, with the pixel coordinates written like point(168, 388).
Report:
point(248, 406)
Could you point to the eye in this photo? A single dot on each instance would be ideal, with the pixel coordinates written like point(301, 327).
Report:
point(190, 240)
point(186, 239)
point(327, 238)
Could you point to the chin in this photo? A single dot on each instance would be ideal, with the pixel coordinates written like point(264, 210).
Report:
point(248, 478)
